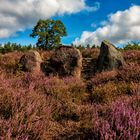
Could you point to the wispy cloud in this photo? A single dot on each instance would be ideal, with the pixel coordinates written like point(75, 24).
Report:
point(93, 25)
point(96, 7)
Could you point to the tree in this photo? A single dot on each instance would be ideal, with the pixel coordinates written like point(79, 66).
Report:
point(49, 33)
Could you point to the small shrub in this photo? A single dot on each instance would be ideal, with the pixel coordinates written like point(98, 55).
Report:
point(104, 77)
point(129, 72)
point(132, 56)
point(104, 94)
point(24, 115)
point(124, 120)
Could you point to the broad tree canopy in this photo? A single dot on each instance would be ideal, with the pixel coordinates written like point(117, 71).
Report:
point(49, 33)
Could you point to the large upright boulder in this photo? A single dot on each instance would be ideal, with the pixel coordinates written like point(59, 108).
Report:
point(110, 58)
point(30, 62)
point(66, 61)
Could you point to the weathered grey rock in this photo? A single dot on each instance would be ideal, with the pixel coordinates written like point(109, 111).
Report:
point(110, 58)
point(66, 61)
point(30, 62)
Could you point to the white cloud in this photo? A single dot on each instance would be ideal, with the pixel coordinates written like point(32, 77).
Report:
point(18, 15)
point(120, 27)
point(93, 8)
point(93, 25)
point(103, 23)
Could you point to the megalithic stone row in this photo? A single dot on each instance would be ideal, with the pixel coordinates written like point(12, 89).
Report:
point(67, 61)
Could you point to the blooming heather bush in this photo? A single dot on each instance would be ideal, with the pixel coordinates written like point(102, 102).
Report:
point(123, 120)
point(80, 128)
point(69, 88)
point(24, 114)
point(135, 88)
point(68, 91)
point(132, 56)
point(110, 91)
point(104, 94)
point(129, 72)
point(36, 107)
point(119, 120)
point(76, 88)
point(107, 86)
point(104, 77)
point(100, 79)
point(27, 93)
point(131, 88)
point(8, 61)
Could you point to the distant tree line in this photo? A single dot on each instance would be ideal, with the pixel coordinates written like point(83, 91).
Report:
point(133, 45)
point(10, 47)
point(86, 46)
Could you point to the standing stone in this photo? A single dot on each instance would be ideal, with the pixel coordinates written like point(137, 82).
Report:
point(110, 58)
point(66, 61)
point(30, 62)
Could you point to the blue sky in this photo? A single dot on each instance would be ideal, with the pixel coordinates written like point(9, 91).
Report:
point(86, 21)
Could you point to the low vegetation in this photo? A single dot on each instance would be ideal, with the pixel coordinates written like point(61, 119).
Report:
point(132, 46)
point(38, 107)
point(10, 47)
